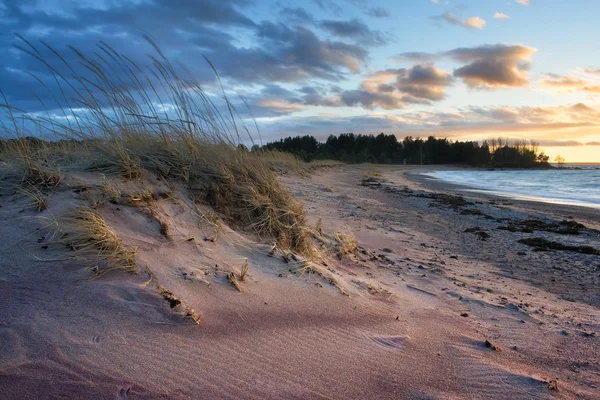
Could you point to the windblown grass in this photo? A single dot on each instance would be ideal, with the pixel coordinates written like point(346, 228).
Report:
point(122, 118)
point(87, 235)
point(346, 241)
point(38, 198)
point(244, 270)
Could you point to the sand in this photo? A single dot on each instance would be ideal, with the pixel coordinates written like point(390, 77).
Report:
point(423, 310)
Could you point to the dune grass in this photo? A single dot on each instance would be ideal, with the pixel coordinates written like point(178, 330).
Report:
point(346, 241)
point(87, 235)
point(36, 196)
point(115, 116)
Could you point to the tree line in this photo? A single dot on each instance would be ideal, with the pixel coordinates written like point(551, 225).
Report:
point(387, 149)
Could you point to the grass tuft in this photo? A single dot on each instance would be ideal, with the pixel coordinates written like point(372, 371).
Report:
point(44, 178)
point(346, 242)
point(113, 194)
point(38, 198)
point(233, 280)
point(87, 235)
point(244, 271)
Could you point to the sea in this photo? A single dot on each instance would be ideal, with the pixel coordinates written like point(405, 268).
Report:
point(575, 184)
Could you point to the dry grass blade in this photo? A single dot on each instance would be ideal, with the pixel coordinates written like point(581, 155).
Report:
point(35, 195)
point(319, 226)
point(244, 270)
point(145, 195)
point(231, 278)
point(88, 236)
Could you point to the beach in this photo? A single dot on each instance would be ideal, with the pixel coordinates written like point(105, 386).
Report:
point(436, 298)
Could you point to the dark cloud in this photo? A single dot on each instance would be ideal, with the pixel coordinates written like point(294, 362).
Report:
point(367, 99)
point(353, 29)
point(242, 50)
point(299, 52)
point(424, 82)
point(493, 66)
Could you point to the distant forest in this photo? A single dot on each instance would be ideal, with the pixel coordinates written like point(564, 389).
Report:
point(386, 149)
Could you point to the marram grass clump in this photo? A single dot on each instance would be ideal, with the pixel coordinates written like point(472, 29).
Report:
point(87, 235)
point(126, 119)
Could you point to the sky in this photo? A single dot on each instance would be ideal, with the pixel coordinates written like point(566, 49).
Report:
point(464, 69)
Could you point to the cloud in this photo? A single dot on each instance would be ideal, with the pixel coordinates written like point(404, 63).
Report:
point(416, 57)
point(569, 84)
point(524, 2)
point(493, 66)
point(471, 23)
point(296, 15)
point(378, 12)
point(591, 71)
point(394, 88)
point(475, 22)
point(244, 51)
point(353, 29)
point(388, 89)
point(592, 144)
point(487, 66)
point(329, 5)
point(279, 106)
point(500, 15)
point(297, 53)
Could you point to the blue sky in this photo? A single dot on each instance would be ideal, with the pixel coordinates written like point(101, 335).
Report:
point(514, 68)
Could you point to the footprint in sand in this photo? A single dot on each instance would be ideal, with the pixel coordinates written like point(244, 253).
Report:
point(97, 338)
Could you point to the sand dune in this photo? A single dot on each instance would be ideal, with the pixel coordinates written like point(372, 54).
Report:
point(420, 310)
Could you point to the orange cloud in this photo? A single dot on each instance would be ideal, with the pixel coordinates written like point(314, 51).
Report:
point(568, 84)
point(279, 106)
point(475, 22)
point(471, 23)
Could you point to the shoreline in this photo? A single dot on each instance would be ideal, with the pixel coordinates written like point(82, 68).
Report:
point(418, 177)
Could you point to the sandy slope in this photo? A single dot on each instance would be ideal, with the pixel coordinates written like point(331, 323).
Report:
point(398, 334)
